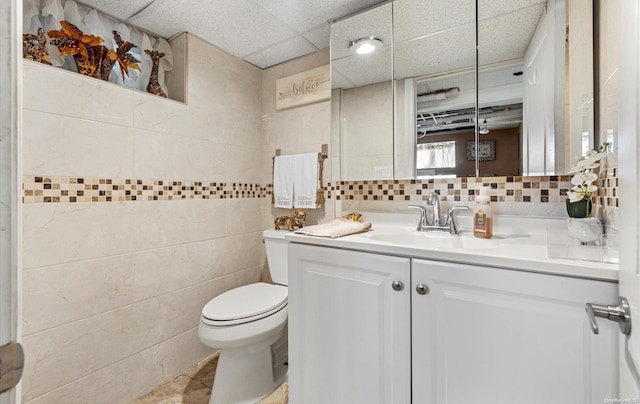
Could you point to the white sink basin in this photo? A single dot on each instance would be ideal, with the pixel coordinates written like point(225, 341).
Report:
point(419, 240)
point(433, 240)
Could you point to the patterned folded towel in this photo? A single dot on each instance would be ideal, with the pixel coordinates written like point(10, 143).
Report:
point(335, 228)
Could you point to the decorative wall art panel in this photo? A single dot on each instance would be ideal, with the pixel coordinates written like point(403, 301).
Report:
point(303, 88)
point(78, 38)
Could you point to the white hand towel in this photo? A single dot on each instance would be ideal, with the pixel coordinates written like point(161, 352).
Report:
point(305, 181)
point(335, 228)
point(283, 171)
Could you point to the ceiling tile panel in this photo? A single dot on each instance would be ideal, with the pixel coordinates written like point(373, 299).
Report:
point(278, 53)
point(416, 18)
point(493, 8)
point(240, 27)
point(506, 37)
point(118, 8)
point(319, 36)
point(438, 53)
point(303, 15)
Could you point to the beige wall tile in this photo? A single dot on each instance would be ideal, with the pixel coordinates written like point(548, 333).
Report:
point(167, 269)
point(244, 277)
point(65, 232)
point(240, 163)
point(169, 359)
point(132, 376)
point(75, 95)
point(159, 155)
point(243, 252)
point(174, 222)
point(65, 146)
point(59, 294)
point(244, 216)
point(93, 343)
point(109, 385)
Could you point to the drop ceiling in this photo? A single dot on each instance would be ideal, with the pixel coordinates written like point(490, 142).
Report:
point(432, 37)
point(262, 32)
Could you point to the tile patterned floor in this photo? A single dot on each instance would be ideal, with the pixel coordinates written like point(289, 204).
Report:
point(194, 387)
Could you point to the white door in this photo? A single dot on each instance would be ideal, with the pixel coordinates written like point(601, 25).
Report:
point(10, 353)
point(629, 186)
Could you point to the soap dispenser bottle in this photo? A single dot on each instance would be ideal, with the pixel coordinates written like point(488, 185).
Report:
point(482, 216)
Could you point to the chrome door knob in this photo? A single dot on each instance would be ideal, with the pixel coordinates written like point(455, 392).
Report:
point(422, 289)
point(397, 285)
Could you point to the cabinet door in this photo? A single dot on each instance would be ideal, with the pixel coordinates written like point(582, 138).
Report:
point(349, 329)
point(486, 335)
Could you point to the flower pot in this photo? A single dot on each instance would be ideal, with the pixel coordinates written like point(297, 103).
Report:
point(579, 209)
point(585, 230)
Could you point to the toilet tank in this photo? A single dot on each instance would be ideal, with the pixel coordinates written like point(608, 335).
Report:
point(277, 255)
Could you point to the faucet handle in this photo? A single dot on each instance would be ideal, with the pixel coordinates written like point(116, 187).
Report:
point(423, 210)
point(450, 221)
point(423, 215)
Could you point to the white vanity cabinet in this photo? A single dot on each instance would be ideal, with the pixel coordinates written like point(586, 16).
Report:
point(452, 334)
point(350, 337)
point(487, 335)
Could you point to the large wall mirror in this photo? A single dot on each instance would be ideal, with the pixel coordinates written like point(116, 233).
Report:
point(411, 109)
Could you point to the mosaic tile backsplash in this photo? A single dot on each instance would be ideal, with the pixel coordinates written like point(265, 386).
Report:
point(544, 189)
point(504, 189)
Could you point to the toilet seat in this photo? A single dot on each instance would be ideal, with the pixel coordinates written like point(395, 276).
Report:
point(245, 304)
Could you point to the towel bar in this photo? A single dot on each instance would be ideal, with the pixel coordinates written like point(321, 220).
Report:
point(324, 152)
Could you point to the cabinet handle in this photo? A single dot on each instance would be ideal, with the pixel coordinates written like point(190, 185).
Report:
point(422, 289)
point(397, 285)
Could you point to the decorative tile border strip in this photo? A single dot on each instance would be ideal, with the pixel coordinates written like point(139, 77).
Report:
point(546, 189)
point(40, 189)
point(505, 189)
point(543, 189)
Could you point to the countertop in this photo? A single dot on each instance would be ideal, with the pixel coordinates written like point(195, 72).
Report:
point(518, 244)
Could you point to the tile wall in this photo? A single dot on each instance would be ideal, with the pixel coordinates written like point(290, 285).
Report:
point(112, 292)
point(296, 130)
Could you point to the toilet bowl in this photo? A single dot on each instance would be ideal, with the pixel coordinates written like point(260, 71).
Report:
point(248, 325)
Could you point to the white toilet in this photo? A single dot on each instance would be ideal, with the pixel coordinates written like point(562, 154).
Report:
point(249, 326)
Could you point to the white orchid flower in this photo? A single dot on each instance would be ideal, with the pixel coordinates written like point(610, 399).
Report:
point(583, 178)
point(587, 165)
point(593, 155)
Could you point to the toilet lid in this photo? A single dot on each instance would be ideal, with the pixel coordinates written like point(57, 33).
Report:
point(246, 303)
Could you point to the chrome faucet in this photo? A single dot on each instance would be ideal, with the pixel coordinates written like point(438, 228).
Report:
point(434, 200)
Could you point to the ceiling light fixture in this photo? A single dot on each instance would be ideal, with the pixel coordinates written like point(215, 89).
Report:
point(364, 46)
point(484, 129)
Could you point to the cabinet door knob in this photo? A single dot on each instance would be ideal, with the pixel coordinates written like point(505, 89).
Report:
point(422, 289)
point(397, 285)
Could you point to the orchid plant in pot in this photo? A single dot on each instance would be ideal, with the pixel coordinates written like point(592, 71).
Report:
point(579, 197)
point(580, 226)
